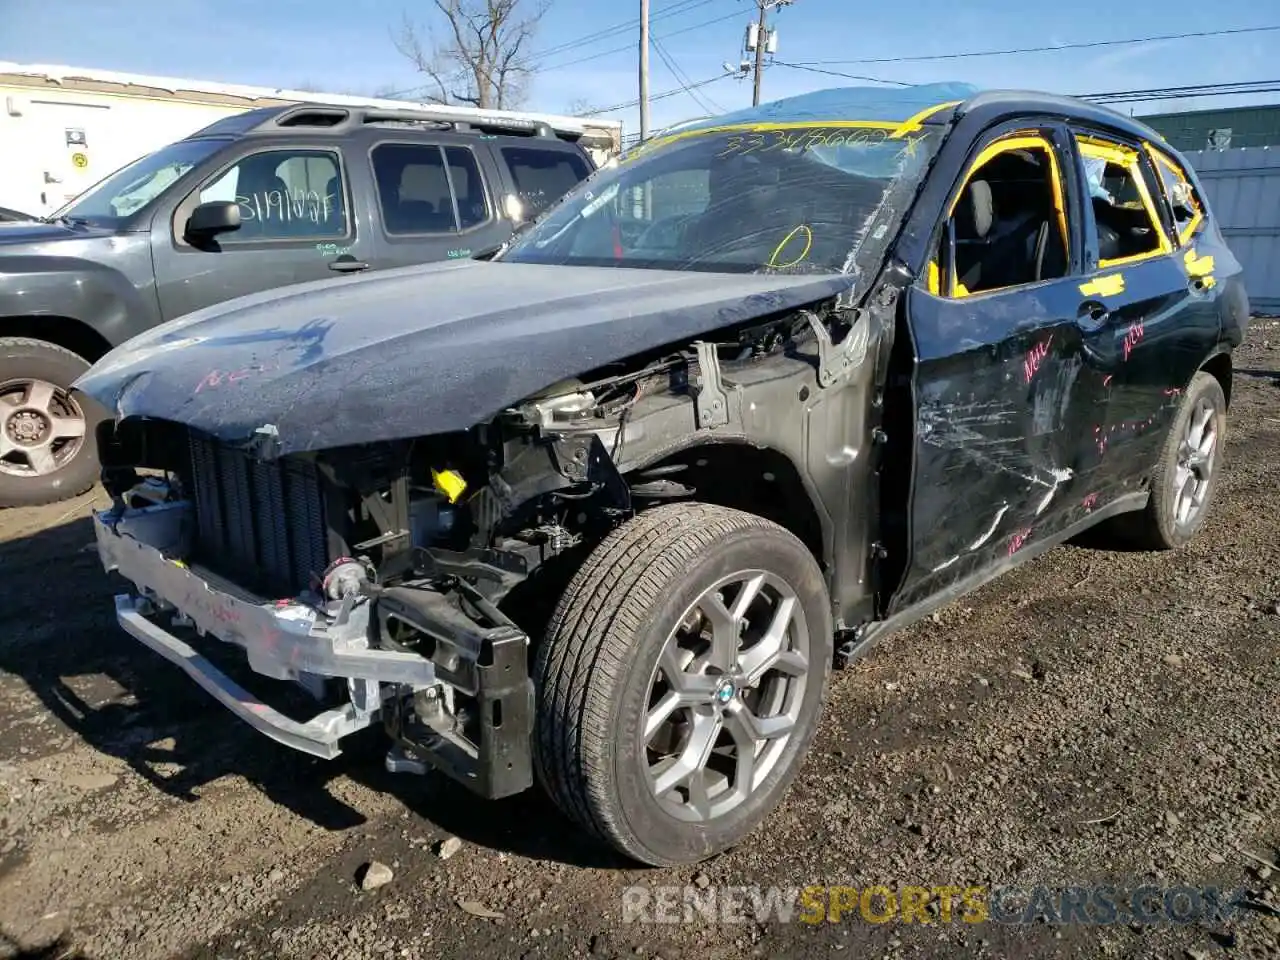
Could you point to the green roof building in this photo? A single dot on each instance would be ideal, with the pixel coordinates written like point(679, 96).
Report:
point(1221, 129)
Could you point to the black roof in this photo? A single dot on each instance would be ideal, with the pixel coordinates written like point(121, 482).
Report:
point(999, 103)
point(302, 118)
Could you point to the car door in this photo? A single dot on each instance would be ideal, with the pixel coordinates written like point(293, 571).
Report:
point(1002, 380)
point(1148, 312)
point(435, 201)
point(296, 225)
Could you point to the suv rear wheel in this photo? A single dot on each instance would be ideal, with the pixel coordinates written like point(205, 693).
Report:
point(1185, 477)
point(47, 450)
point(681, 679)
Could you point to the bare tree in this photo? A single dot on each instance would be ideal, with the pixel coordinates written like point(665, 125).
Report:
point(480, 55)
point(581, 107)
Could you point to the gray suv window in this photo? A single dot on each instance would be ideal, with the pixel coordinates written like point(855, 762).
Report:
point(543, 176)
point(429, 189)
point(284, 195)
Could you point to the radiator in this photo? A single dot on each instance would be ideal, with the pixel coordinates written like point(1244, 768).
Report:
point(259, 525)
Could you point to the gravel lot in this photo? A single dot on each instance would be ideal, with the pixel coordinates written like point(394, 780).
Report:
point(1137, 691)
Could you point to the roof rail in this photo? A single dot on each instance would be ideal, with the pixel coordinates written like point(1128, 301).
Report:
point(317, 116)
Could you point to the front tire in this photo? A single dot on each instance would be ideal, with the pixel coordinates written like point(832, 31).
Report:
point(47, 449)
point(680, 681)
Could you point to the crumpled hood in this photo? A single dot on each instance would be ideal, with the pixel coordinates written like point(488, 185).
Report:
point(417, 350)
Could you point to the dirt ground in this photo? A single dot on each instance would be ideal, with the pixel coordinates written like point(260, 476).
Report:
point(1093, 718)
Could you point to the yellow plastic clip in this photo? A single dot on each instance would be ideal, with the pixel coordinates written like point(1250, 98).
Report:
point(449, 483)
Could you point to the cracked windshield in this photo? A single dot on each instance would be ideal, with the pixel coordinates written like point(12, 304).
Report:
point(791, 198)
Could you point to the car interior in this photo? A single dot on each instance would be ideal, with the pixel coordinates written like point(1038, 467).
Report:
point(1006, 226)
point(1124, 226)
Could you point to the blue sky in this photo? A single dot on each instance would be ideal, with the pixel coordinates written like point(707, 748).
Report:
point(345, 45)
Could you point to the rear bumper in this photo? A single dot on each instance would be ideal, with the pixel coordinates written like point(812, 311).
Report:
point(290, 640)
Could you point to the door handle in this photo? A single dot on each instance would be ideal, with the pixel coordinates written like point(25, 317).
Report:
point(347, 265)
point(1093, 313)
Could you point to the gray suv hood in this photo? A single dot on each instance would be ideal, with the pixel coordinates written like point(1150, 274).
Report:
point(418, 350)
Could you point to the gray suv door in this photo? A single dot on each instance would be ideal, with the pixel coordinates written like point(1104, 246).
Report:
point(297, 224)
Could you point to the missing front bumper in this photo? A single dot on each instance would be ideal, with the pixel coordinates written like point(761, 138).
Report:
point(484, 666)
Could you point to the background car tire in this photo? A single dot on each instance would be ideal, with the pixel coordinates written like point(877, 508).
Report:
point(1159, 527)
point(594, 671)
point(23, 360)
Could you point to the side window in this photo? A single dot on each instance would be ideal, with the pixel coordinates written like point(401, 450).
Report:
point(1187, 208)
point(468, 187)
point(283, 195)
point(1008, 224)
point(543, 176)
point(1125, 216)
point(413, 189)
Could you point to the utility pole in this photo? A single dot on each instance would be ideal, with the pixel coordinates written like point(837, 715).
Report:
point(764, 42)
point(762, 39)
point(644, 70)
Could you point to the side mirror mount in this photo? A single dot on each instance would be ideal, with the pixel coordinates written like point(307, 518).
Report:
point(212, 218)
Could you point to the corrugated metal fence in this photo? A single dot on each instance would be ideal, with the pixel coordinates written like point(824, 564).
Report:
point(1243, 188)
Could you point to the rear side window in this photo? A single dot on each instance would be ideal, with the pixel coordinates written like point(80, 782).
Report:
point(543, 176)
point(1187, 207)
point(425, 189)
point(1128, 224)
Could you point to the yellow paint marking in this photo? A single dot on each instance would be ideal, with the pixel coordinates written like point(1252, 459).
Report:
point(912, 124)
point(1197, 265)
point(1108, 286)
point(808, 243)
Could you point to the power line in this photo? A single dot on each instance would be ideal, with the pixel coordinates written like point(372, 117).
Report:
point(1235, 31)
point(681, 6)
point(683, 79)
point(1179, 93)
point(836, 73)
point(629, 47)
point(658, 96)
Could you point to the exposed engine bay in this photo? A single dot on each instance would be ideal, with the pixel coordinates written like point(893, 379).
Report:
point(449, 551)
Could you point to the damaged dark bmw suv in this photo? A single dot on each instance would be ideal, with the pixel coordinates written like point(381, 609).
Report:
point(605, 509)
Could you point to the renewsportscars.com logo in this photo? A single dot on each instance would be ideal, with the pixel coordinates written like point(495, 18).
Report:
point(1096, 905)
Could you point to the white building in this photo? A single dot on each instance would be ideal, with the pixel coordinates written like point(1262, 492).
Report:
point(62, 129)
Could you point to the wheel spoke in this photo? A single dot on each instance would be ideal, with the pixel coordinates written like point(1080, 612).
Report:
point(726, 624)
point(693, 758)
point(699, 798)
point(746, 746)
point(39, 396)
point(792, 663)
point(66, 428)
point(660, 714)
point(1207, 443)
point(757, 728)
point(691, 687)
point(765, 652)
point(41, 459)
